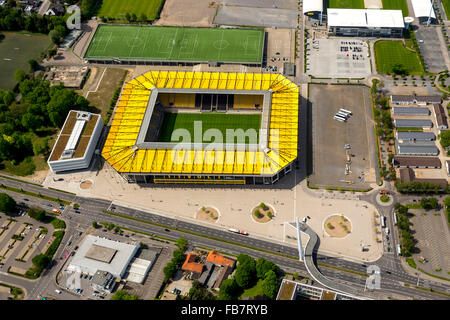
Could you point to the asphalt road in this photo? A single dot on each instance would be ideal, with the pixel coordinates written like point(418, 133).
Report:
point(92, 210)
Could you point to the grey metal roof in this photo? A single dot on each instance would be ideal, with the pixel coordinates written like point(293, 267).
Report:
point(422, 148)
point(418, 136)
point(420, 111)
point(413, 123)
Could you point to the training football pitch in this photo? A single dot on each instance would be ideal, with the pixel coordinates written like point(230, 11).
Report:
point(396, 5)
point(219, 121)
point(118, 8)
point(347, 4)
point(150, 43)
point(389, 53)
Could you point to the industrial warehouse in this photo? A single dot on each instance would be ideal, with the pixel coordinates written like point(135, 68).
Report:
point(151, 106)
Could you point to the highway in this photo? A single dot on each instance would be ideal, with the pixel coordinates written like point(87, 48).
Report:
point(92, 210)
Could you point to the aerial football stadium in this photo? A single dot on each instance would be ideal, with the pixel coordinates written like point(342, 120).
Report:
point(204, 127)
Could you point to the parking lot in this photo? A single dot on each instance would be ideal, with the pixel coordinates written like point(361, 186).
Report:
point(430, 47)
point(279, 49)
point(433, 238)
point(330, 137)
point(22, 238)
point(337, 58)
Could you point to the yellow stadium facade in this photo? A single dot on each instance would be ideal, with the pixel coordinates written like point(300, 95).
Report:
point(264, 163)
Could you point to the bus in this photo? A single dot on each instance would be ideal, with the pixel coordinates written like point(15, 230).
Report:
point(399, 250)
point(383, 221)
point(342, 114)
point(395, 218)
point(339, 119)
point(345, 111)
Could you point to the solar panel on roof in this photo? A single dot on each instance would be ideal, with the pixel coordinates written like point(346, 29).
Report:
point(75, 135)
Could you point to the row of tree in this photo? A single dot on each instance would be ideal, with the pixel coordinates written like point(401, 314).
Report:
point(178, 257)
point(406, 239)
point(419, 187)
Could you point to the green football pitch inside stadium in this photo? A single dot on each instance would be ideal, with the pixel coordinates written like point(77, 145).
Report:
point(219, 121)
point(150, 43)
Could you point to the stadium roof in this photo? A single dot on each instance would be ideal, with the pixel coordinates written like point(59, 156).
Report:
point(368, 18)
point(412, 123)
point(422, 8)
point(411, 111)
point(312, 5)
point(125, 156)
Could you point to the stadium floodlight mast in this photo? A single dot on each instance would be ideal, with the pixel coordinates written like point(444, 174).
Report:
point(429, 16)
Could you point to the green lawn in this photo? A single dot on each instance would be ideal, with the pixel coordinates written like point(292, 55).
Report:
point(347, 4)
point(254, 291)
point(388, 53)
point(176, 44)
point(446, 5)
point(15, 51)
point(220, 121)
point(396, 5)
point(118, 8)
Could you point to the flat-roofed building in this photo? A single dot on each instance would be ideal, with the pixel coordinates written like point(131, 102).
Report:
point(76, 142)
point(411, 111)
point(415, 136)
point(413, 123)
point(96, 253)
point(408, 175)
point(441, 118)
point(103, 281)
point(140, 265)
point(416, 149)
point(365, 22)
point(415, 99)
point(416, 162)
point(424, 11)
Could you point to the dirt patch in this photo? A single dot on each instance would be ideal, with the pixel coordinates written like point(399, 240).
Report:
point(86, 184)
point(190, 13)
point(208, 214)
point(338, 226)
point(263, 213)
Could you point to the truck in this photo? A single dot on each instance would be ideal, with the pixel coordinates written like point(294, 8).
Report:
point(387, 231)
point(383, 221)
point(233, 230)
point(58, 291)
point(56, 211)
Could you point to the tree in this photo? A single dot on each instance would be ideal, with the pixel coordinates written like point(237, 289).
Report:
point(37, 214)
point(246, 271)
point(400, 69)
point(200, 292)
point(263, 266)
point(445, 138)
point(19, 75)
point(270, 285)
point(41, 261)
point(169, 270)
point(143, 17)
point(128, 17)
point(34, 65)
point(229, 290)
point(95, 224)
point(123, 295)
point(182, 243)
point(295, 275)
point(7, 204)
point(447, 202)
point(133, 17)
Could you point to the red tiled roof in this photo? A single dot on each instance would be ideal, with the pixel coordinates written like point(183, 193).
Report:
point(190, 265)
point(219, 259)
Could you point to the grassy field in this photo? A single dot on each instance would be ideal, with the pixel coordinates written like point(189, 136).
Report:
point(220, 121)
point(15, 51)
point(118, 8)
point(111, 80)
point(176, 44)
point(254, 291)
point(388, 53)
point(396, 5)
point(446, 5)
point(346, 4)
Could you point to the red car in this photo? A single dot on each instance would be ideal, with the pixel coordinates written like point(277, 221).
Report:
point(244, 233)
